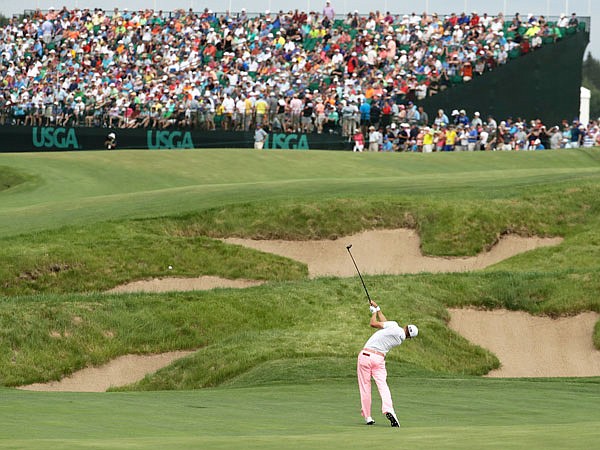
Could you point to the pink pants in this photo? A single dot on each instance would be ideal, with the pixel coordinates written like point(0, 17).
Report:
point(373, 365)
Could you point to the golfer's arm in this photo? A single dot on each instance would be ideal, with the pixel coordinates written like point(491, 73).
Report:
point(381, 316)
point(374, 322)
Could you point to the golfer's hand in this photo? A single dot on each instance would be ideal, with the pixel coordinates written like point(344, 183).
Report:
point(373, 309)
point(373, 303)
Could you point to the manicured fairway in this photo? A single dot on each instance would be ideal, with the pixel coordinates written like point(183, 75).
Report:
point(435, 413)
point(81, 188)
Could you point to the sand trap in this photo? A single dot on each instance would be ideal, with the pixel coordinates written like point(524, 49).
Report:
point(118, 372)
point(532, 346)
point(183, 284)
point(387, 252)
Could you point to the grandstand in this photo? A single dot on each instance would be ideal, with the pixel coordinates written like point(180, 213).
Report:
point(295, 72)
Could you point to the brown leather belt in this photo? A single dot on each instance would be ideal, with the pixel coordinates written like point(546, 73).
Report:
point(367, 351)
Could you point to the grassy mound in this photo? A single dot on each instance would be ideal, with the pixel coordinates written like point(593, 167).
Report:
point(9, 178)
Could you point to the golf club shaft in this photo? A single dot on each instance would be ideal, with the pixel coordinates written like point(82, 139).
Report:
point(361, 278)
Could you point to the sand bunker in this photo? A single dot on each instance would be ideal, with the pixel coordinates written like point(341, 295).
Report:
point(387, 252)
point(118, 372)
point(183, 284)
point(532, 346)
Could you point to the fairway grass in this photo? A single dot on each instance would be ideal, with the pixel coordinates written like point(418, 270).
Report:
point(434, 413)
point(73, 188)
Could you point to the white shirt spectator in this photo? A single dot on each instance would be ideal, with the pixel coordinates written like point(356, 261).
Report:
point(497, 25)
point(563, 21)
point(337, 58)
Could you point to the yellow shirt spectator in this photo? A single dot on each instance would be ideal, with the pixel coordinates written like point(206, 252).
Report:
point(261, 107)
point(428, 138)
point(451, 137)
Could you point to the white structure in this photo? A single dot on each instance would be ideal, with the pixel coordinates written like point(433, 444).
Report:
point(584, 106)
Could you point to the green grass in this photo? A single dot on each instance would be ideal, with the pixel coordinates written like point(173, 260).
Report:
point(9, 178)
point(84, 188)
point(435, 413)
point(279, 359)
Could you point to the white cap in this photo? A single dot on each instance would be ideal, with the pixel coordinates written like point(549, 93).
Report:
point(413, 331)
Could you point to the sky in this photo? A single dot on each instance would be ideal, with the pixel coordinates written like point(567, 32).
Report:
point(589, 8)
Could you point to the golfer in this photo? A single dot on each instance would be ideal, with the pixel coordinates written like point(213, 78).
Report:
point(371, 363)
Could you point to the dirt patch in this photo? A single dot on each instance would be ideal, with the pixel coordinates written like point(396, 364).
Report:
point(532, 346)
point(118, 372)
point(183, 284)
point(391, 252)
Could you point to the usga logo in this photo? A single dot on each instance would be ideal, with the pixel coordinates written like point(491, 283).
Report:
point(169, 139)
point(50, 137)
point(287, 141)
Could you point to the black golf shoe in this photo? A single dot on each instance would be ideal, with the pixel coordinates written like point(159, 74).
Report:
point(393, 420)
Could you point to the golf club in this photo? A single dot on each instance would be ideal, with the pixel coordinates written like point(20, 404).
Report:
point(348, 247)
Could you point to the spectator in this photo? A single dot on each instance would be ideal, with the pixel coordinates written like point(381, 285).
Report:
point(403, 137)
point(451, 137)
point(387, 145)
point(537, 145)
point(423, 116)
point(260, 136)
point(440, 139)
point(328, 11)
point(375, 138)
point(484, 137)
point(365, 114)
point(428, 138)
point(359, 141)
point(473, 138)
point(441, 119)
point(521, 138)
point(576, 136)
point(573, 21)
point(462, 118)
point(462, 139)
point(555, 137)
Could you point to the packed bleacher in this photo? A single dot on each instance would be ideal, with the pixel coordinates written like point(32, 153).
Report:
point(292, 72)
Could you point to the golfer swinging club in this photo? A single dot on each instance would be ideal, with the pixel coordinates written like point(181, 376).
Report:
point(371, 363)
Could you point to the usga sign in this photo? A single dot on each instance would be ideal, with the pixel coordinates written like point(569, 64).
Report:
point(287, 141)
point(169, 139)
point(50, 137)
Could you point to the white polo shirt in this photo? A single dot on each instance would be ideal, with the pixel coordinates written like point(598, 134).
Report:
point(386, 338)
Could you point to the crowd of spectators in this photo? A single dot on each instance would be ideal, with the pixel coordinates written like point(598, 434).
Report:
point(459, 132)
point(292, 72)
